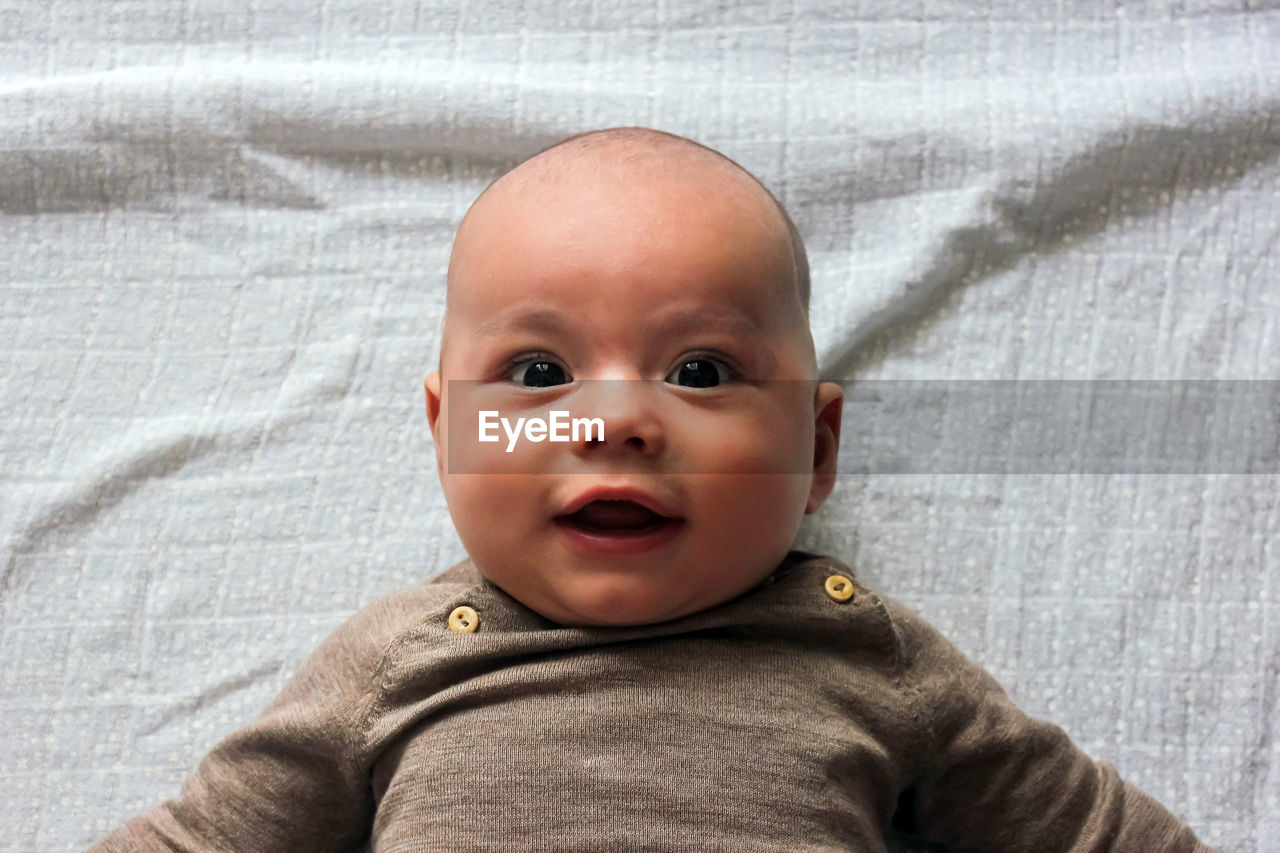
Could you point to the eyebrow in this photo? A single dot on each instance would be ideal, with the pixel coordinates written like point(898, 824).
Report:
point(538, 321)
point(548, 322)
point(730, 320)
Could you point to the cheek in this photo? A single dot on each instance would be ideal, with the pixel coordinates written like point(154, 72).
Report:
point(750, 512)
point(758, 442)
point(478, 504)
point(488, 432)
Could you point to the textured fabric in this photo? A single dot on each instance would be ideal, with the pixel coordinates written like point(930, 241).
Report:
point(223, 231)
point(782, 720)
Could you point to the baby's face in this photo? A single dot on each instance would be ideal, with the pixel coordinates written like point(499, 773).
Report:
point(664, 305)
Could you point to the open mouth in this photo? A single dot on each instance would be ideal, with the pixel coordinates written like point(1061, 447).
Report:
point(616, 518)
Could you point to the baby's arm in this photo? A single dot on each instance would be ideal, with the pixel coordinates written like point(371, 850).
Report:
point(994, 778)
point(294, 780)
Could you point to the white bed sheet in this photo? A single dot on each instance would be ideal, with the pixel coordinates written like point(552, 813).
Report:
point(223, 234)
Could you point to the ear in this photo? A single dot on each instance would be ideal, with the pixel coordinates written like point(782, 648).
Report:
point(828, 406)
point(432, 387)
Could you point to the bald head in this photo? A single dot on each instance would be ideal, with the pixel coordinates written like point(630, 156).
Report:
point(600, 154)
point(630, 213)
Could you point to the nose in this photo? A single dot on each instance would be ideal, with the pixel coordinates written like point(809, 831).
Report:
point(627, 410)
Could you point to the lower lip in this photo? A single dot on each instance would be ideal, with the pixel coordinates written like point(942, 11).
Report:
point(620, 543)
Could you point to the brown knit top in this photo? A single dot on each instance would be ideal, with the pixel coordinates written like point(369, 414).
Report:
point(807, 714)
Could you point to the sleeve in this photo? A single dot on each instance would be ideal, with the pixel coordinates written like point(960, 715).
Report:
point(994, 779)
point(296, 779)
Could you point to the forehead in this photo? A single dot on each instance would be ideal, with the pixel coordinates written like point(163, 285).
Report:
point(620, 211)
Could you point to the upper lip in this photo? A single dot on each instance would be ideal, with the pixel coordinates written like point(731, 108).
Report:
point(618, 493)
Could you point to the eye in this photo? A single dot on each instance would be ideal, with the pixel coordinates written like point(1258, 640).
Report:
point(538, 373)
point(699, 373)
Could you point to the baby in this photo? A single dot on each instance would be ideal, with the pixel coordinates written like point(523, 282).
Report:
point(632, 657)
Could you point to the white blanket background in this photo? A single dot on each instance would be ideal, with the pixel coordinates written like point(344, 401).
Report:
point(224, 226)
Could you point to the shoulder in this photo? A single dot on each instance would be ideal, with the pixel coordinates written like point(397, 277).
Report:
point(923, 652)
point(378, 624)
point(353, 654)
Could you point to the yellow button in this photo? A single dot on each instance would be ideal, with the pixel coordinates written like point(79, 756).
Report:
point(463, 620)
point(839, 587)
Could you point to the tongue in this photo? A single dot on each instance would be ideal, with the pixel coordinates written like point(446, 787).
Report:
point(615, 515)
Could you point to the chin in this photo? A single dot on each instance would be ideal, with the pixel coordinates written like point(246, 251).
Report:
point(621, 611)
